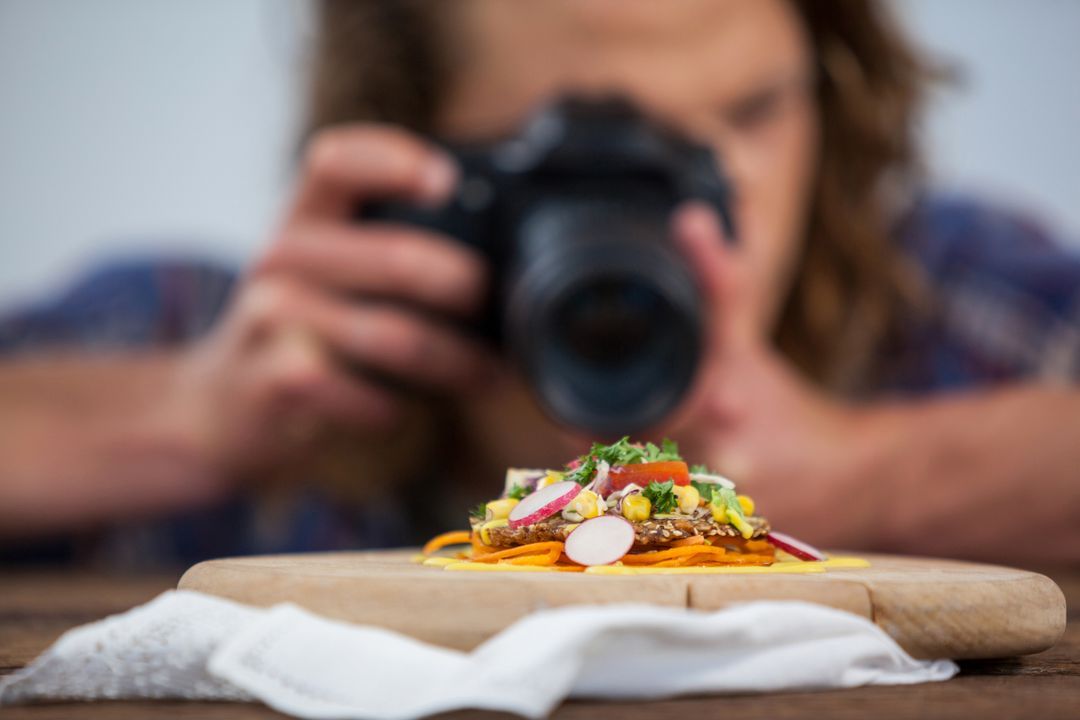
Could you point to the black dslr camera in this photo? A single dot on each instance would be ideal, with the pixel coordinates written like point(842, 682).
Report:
point(589, 297)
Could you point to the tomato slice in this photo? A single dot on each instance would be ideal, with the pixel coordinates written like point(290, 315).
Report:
point(644, 473)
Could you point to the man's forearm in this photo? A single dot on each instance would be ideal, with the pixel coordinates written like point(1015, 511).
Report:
point(88, 440)
point(990, 474)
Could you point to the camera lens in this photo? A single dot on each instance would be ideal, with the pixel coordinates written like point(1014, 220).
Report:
point(606, 323)
point(604, 318)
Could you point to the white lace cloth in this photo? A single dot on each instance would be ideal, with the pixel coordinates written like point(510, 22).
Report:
point(189, 645)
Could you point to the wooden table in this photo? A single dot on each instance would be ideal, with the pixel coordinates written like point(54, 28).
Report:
point(35, 608)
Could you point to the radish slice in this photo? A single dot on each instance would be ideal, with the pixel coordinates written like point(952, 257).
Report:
point(600, 541)
point(543, 503)
point(795, 547)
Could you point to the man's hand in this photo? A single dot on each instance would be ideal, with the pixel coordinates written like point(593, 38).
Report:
point(336, 305)
point(751, 415)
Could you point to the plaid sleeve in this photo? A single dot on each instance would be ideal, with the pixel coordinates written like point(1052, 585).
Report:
point(130, 304)
point(1006, 296)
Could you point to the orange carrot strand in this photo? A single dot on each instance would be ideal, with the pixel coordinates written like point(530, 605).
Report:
point(529, 549)
point(456, 537)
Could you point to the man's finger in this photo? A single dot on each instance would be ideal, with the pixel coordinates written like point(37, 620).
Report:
point(385, 261)
point(346, 164)
point(718, 270)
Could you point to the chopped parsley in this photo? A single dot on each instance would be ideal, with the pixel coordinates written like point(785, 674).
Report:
point(517, 492)
point(584, 472)
point(662, 496)
point(706, 489)
point(622, 452)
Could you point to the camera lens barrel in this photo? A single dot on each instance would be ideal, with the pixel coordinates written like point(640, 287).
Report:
point(601, 314)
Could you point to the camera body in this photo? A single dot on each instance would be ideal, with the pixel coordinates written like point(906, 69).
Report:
point(588, 296)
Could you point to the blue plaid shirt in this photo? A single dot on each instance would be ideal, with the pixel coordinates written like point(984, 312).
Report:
point(1007, 295)
point(1007, 300)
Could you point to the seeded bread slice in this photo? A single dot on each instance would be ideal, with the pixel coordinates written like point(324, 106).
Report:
point(654, 532)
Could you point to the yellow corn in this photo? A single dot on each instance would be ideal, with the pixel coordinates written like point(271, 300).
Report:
point(636, 508)
point(499, 509)
point(550, 479)
point(485, 535)
point(746, 504)
point(741, 525)
point(719, 512)
point(688, 497)
point(586, 504)
point(721, 515)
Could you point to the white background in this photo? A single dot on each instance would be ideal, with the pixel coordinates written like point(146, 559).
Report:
point(159, 126)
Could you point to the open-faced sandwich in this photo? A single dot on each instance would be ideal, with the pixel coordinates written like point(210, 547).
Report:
point(628, 503)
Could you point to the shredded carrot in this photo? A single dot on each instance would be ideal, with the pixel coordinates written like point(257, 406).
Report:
point(549, 558)
point(457, 537)
point(672, 562)
point(692, 540)
point(710, 560)
point(538, 548)
point(648, 558)
point(568, 568)
point(763, 547)
point(746, 559)
point(731, 559)
point(746, 546)
point(478, 546)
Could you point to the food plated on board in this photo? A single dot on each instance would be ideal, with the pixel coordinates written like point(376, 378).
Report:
point(627, 505)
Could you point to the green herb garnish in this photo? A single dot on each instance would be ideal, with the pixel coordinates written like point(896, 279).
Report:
point(621, 452)
point(707, 489)
point(662, 496)
point(699, 469)
point(479, 512)
point(668, 452)
point(517, 492)
point(584, 472)
point(725, 497)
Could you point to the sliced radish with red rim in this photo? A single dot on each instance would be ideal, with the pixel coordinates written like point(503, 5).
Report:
point(600, 541)
point(798, 548)
point(543, 503)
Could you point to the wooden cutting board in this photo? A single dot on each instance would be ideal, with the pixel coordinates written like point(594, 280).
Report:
point(933, 608)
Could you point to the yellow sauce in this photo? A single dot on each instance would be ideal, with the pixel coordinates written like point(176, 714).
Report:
point(783, 566)
point(780, 567)
point(846, 562)
point(495, 567)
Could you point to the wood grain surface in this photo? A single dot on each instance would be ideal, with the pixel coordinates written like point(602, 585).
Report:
point(933, 608)
point(36, 607)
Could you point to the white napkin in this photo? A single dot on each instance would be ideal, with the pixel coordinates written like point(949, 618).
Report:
point(189, 645)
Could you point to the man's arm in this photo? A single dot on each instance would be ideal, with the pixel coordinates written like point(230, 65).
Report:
point(85, 440)
point(990, 474)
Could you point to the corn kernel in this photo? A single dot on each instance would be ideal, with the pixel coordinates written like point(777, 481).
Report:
point(719, 512)
point(550, 479)
point(586, 504)
point(746, 504)
point(688, 497)
point(741, 525)
point(499, 509)
point(636, 508)
point(485, 535)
